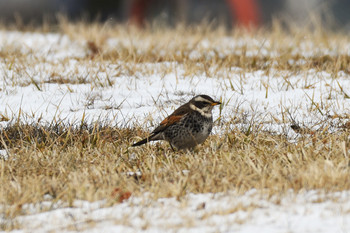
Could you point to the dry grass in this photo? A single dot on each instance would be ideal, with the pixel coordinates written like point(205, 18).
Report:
point(94, 161)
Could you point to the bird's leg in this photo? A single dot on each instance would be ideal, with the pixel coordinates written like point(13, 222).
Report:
point(172, 147)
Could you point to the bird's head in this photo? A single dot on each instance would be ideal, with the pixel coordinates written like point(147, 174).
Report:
point(203, 104)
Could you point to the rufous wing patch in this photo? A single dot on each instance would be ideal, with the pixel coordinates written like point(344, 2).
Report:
point(171, 120)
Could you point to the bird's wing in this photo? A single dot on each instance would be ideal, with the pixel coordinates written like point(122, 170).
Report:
point(176, 116)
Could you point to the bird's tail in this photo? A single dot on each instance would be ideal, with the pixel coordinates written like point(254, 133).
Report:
point(152, 137)
point(143, 141)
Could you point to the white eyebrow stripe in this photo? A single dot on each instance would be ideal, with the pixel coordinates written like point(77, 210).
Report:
point(203, 113)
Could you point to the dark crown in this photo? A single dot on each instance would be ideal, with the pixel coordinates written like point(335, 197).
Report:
point(206, 97)
point(202, 101)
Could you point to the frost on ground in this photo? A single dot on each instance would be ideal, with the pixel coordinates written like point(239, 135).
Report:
point(307, 211)
point(61, 86)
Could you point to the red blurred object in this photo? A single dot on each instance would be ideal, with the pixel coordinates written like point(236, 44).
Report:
point(246, 12)
point(137, 11)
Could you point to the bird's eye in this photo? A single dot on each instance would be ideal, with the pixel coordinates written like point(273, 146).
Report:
point(201, 104)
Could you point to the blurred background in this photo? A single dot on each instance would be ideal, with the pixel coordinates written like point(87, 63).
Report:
point(333, 13)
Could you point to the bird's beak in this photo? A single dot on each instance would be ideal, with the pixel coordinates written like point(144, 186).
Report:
point(215, 103)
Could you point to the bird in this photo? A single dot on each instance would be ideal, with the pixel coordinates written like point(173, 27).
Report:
point(188, 126)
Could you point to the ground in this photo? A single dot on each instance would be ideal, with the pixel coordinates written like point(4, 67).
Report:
point(75, 98)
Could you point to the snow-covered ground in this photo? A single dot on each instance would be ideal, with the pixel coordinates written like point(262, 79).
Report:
point(146, 97)
point(308, 211)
